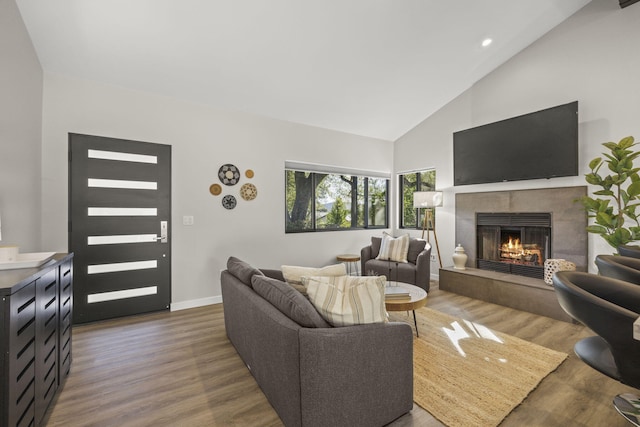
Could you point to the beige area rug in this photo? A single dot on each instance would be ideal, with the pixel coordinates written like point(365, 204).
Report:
point(467, 375)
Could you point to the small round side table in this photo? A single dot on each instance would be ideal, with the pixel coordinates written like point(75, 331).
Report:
point(352, 262)
point(417, 298)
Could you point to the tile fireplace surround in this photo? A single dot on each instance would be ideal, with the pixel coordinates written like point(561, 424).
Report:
point(568, 218)
point(568, 241)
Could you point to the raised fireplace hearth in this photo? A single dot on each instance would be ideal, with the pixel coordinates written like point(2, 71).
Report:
point(564, 236)
point(519, 292)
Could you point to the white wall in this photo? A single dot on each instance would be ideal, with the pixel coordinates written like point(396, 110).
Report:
point(202, 140)
point(20, 129)
point(592, 57)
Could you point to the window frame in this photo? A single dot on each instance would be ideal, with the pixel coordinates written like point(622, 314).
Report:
point(419, 187)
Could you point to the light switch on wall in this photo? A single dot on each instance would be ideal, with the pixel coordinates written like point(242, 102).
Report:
point(187, 220)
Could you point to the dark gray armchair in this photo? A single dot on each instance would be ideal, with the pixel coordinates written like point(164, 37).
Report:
point(416, 271)
point(619, 267)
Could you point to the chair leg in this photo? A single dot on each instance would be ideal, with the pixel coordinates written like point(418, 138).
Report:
point(628, 405)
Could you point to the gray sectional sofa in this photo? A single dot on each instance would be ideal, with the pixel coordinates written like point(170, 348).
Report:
point(311, 373)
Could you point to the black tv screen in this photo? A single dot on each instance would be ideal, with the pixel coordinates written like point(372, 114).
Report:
point(537, 145)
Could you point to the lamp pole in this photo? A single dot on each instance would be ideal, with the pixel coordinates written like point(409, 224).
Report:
point(425, 225)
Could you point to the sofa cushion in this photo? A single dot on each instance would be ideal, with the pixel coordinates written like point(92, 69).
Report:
point(241, 270)
point(348, 300)
point(394, 272)
point(394, 249)
point(289, 301)
point(415, 247)
point(292, 274)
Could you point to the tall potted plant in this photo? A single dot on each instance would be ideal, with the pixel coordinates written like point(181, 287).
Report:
point(614, 206)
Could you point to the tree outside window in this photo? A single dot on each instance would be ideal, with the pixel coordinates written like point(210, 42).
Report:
point(409, 183)
point(377, 202)
point(326, 201)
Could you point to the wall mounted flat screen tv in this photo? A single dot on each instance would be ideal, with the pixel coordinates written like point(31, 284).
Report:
point(543, 144)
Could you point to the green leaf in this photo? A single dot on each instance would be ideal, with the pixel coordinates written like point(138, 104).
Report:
point(623, 235)
point(611, 240)
point(625, 198)
point(605, 219)
point(596, 229)
point(603, 206)
point(626, 142)
point(633, 156)
point(634, 189)
point(610, 145)
point(635, 233)
point(603, 193)
point(628, 163)
point(617, 180)
point(617, 221)
point(591, 208)
point(595, 163)
point(631, 209)
point(593, 179)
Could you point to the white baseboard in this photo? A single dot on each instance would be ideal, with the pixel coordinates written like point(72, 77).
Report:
point(183, 305)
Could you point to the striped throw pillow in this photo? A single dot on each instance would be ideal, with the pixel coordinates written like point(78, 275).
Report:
point(348, 300)
point(394, 249)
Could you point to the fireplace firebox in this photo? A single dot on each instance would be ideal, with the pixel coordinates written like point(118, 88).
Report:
point(513, 242)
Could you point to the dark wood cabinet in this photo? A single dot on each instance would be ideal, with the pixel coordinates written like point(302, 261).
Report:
point(35, 327)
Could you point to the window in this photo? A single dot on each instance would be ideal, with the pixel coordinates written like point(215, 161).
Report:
point(409, 183)
point(330, 200)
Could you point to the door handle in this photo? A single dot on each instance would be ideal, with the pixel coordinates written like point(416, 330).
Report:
point(164, 232)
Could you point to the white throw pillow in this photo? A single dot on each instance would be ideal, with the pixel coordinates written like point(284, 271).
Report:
point(292, 273)
point(394, 249)
point(348, 300)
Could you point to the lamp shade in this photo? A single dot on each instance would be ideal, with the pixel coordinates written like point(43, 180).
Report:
point(427, 199)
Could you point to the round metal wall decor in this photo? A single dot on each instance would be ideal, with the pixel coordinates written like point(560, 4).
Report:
point(229, 174)
point(249, 173)
point(229, 202)
point(248, 191)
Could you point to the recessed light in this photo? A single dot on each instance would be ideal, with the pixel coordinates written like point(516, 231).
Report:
point(486, 42)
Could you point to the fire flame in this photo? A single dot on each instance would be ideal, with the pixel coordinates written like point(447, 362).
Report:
point(514, 250)
point(512, 244)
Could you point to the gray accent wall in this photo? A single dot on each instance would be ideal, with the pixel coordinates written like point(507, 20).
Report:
point(21, 88)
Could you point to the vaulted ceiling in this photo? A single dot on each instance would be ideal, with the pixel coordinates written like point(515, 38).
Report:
point(370, 67)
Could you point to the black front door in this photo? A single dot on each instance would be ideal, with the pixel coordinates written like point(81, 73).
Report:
point(119, 216)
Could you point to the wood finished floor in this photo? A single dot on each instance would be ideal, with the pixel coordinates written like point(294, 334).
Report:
point(179, 369)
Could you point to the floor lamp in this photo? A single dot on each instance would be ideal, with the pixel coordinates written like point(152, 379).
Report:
point(429, 200)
